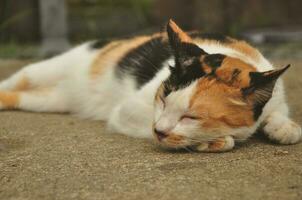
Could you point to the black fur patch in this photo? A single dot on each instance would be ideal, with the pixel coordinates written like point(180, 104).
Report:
point(179, 80)
point(144, 61)
point(262, 94)
point(257, 109)
point(261, 90)
point(262, 85)
point(214, 60)
point(187, 67)
point(147, 59)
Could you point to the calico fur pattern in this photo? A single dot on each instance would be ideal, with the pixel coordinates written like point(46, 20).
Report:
point(185, 90)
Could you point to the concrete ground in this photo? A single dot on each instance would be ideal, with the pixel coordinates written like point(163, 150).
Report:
point(52, 156)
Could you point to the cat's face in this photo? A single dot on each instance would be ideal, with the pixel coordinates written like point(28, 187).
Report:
point(208, 96)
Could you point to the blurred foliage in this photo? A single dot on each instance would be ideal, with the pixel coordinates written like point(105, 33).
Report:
point(143, 4)
point(13, 19)
point(13, 50)
point(288, 50)
point(108, 18)
point(104, 7)
point(19, 20)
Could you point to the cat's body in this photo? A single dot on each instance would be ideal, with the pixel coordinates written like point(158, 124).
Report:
point(119, 82)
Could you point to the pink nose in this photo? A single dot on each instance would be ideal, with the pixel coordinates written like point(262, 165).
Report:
point(160, 134)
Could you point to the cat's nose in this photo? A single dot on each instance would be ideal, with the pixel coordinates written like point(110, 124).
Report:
point(160, 134)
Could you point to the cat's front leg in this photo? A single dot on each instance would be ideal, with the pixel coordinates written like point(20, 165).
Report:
point(280, 128)
point(132, 117)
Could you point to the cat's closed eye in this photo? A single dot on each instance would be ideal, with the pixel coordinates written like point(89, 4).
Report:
point(189, 117)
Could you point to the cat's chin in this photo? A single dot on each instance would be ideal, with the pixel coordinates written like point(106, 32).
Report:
point(180, 146)
point(190, 148)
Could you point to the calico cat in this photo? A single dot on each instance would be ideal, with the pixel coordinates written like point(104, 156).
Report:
point(195, 91)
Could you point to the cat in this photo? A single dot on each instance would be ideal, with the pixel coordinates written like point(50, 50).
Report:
point(185, 90)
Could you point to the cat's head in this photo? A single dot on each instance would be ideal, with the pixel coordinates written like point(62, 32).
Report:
point(208, 96)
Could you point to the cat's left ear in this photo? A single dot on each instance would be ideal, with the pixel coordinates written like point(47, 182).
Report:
point(182, 45)
point(262, 85)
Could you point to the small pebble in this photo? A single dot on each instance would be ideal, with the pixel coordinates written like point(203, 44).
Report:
point(281, 152)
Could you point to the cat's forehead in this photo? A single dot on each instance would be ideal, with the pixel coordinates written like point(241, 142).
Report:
point(228, 70)
point(182, 95)
point(221, 68)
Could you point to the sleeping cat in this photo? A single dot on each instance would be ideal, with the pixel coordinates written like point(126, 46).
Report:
point(196, 91)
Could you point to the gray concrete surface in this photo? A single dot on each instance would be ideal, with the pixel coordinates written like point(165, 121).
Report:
point(51, 156)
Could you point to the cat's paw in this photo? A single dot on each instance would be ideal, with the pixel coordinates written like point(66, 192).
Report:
point(285, 132)
point(219, 145)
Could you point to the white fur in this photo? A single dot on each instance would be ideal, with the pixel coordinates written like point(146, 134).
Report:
point(280, 128)
point(176, 105)
point(69, 88)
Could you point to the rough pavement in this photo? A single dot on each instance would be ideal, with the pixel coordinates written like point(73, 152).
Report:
point(51, 156)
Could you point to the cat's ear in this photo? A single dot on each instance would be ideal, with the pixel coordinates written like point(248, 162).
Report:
point(176, 34)
point(262, 85)
point(182, 44)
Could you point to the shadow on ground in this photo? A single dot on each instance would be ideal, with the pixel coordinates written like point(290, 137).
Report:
point(50, 156)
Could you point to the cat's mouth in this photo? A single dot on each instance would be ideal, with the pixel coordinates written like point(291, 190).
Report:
point(174, 141)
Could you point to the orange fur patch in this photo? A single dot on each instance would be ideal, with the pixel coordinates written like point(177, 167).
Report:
point(113, 52)
point(245, 48)
point(23, 84)
point(238, 45)
point(174, 140)
point(98, 65)
point(211, 101)
point(159, 93)
point(226, 72)
point(9, 99)
point(216, 145)
point(182, 35)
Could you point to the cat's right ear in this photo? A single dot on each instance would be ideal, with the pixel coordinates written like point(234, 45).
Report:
point(262, 85)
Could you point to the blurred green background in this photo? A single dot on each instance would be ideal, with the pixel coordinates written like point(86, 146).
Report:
point(89, 19)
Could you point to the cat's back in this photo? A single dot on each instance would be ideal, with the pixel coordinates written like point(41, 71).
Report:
point(117, 71)
point(142, 57)
point(136, 59)
point(134, 62)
